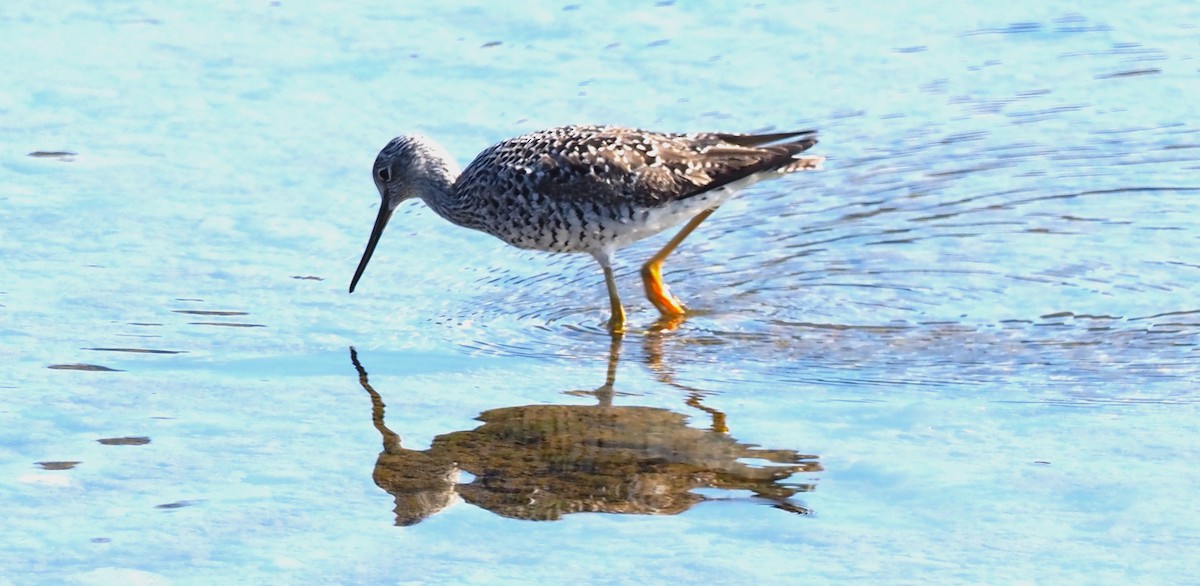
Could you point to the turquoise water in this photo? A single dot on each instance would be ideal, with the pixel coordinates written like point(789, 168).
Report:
point(964, 352)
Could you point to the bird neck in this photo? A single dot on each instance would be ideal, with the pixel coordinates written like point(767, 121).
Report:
point(434, 184)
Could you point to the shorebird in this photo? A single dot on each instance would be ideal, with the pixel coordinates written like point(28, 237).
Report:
point(591, 189)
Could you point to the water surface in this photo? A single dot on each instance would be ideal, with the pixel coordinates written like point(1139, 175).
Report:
point(965, 351)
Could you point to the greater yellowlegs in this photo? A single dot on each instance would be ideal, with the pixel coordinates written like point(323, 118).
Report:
point(590, 189)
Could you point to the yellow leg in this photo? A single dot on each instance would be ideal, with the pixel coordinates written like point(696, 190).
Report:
point(656, 290)
point(616, 323)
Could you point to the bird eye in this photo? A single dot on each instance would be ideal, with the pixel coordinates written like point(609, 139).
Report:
point(385, 174)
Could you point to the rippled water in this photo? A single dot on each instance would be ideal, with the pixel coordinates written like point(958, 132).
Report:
point(965, 351)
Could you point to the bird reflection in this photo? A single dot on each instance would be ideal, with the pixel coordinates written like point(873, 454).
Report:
point(540, 462)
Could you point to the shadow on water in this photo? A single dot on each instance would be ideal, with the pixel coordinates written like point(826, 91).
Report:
point(540, 462)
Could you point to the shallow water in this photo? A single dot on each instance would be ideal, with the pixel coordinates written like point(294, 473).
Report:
point(965, 351)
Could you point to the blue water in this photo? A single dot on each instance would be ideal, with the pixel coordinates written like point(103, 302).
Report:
point(964, 352)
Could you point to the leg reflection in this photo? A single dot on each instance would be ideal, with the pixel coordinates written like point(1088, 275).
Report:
point(652, 346)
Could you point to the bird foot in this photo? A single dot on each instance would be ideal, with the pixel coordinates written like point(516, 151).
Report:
point(659, 294)
point(668, 305)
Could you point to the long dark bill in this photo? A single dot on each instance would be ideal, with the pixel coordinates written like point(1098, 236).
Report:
point(381, 221)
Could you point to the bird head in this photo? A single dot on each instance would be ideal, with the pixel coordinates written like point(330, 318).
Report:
point(409, 166)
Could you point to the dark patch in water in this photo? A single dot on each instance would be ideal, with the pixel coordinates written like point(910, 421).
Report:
point(175, 505)
point(65, 156)
point(88, 367)
point(1130, 73)
point(1013, 28)
point(138, 350)
point(124, 441)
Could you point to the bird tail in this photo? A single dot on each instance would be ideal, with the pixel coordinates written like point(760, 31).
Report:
point(805, 163)
point(792, 143)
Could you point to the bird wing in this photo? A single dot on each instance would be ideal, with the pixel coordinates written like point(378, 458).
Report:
point(696, 163)
point(647, 169)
